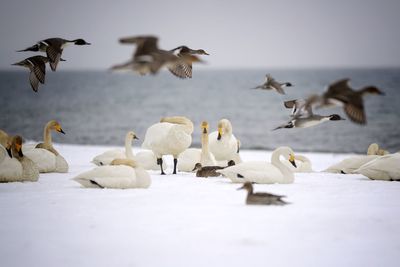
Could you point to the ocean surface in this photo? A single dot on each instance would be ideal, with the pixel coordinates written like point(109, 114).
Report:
point(99, 107)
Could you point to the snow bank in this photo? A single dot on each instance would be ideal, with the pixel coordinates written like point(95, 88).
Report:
point(181, 220)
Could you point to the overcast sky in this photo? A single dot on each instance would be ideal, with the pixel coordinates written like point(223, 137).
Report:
point(250, 34)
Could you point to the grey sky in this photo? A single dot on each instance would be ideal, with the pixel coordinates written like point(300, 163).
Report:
point(236, 33)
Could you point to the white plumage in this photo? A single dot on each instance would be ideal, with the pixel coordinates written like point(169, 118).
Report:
point(303, 164)
point(263, 172)
point(382, 168)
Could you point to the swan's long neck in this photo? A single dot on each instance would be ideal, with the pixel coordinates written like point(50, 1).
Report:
point(128, 147)
point(47, 136)
point(286, 172)
point(204, 143)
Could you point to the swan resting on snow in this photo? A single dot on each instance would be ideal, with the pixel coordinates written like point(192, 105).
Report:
point(121, 174)
point(45, 156)
point(263, 172)
point(18, 168)
point(303, 164)
point(385, 167)
point(171, 136)
point(145, 158)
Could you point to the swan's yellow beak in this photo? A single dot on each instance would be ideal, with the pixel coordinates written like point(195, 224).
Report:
point(219, 133)
point(291, 160)
point(59, 129)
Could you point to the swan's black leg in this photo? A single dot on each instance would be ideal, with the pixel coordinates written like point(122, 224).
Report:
point(160, 162)
point(175, 163)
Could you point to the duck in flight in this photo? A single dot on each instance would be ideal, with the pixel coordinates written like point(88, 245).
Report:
point(271, 84)
point(303, 117)
point(148, 58)
point(340, 93)
point(37, 67)
point(182, 51)
point(53, 48)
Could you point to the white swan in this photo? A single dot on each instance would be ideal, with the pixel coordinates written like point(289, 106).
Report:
point(44, 155)
point(351, 164)
point(171, 136)
point(303, 164)
point(145, 158)
point(374, 149)
point(18, 168)
point(263, 172)
point(5, 141)
point(121, 174)
point(383, 168)
point(223, 144)
point(188, 158)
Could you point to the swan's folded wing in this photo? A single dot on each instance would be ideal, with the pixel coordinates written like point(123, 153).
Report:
point(262, 177)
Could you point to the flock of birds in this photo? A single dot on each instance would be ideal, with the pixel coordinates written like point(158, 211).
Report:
point(220, 150)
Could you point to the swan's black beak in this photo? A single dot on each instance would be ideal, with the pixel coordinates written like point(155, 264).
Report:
point(61, 131)
point(9, 152)
point(135, 137)
point(204, 130)
point(291, 160)
point(219, 134)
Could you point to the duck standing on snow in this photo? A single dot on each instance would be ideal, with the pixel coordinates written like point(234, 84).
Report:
point(223, 144)
point(44, 154)
point(382, 168)
point(171, 136)
point(191, 156)
point(53, 48)
point(271, 84)
point(121, 174)
point(261, 198)
point(17, 168)
point(263, 172)
point(145, 158)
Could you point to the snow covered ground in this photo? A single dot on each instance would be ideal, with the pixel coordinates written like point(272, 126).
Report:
point(181, 220)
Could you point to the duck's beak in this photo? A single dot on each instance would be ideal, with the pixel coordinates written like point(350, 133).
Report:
point(219, 134)
point(9, 151)
point(240, 188)
point(292, 161)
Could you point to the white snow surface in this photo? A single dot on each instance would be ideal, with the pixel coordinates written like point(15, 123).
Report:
point(181, 220)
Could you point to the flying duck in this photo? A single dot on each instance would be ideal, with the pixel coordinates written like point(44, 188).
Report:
point(53, 48)
point(148, 58)
point(303, 116)
point(181, 70)
point(340, 93)
point(271, 84)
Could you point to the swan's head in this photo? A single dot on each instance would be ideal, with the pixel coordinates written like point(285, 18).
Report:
point(288, 154)
point(16, 146)
point(247, 186)
point(55, 126)
point(197, 167)
point(204, 127)
point(373, 149)
point(131, 135)
point(6, 141)
point(335, 117)
point(224, 127)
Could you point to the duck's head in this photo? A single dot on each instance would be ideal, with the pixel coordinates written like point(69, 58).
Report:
point(16, 146)
point(81, 42)
point(22, 63)
point(204, 127)
point(247, 186)
point(197, 167)
point(202, 52)
point(372, 90)
point(56, 126)
point(335, 117)
point(132, 135)
point(224, 127)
